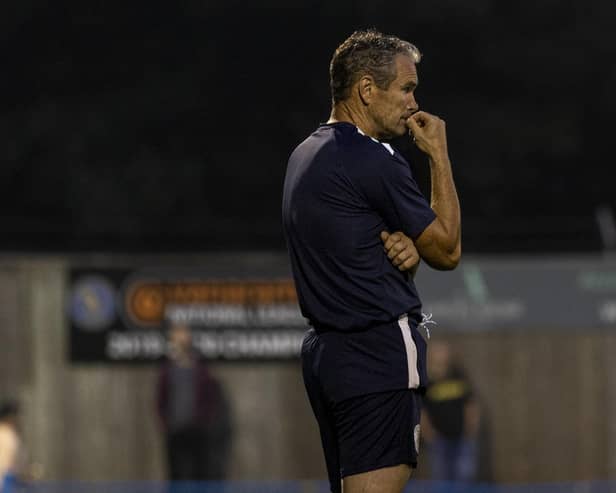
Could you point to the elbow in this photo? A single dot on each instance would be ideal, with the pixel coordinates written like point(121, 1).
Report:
point(440, 250)
point(453, 258)
point(452, 261)
point(448, 263)
point(449, 260)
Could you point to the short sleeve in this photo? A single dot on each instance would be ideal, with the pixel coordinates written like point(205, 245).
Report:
point(391, 190)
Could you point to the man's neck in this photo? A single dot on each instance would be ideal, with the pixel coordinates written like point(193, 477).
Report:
point(184, 359)
point(343, 112)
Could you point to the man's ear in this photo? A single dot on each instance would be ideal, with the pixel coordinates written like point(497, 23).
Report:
point(365, 89)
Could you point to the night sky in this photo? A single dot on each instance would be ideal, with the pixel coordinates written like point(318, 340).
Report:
point(166, 126)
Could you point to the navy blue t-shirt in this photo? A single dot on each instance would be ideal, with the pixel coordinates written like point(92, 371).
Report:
point(342, 188)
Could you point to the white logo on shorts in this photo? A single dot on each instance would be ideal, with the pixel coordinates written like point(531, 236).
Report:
point(416, 435)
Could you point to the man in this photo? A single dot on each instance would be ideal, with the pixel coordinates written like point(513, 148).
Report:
point(10, 447)
point(345, 192)
point(193, 411)
point(451, 419)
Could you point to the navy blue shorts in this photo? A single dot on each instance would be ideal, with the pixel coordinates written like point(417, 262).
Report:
point(374, 425)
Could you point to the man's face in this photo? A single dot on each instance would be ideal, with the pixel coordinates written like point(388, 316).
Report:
point(180, 338)
point(439, 360)
point(390, 108)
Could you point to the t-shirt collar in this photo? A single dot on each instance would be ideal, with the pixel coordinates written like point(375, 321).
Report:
point(384, 144)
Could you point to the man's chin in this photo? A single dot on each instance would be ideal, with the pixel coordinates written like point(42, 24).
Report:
point(398, 132)
point(394, 133)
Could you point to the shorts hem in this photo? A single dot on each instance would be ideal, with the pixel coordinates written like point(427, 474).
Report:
point(350, 471)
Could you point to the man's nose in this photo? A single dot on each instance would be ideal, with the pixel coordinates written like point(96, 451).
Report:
point(412, 105)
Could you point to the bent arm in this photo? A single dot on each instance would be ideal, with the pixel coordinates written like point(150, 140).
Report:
point(440, 243)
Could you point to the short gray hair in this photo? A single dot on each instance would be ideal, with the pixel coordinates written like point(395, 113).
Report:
point(366, 52)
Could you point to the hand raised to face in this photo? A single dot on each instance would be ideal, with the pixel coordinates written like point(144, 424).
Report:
point(429, 133)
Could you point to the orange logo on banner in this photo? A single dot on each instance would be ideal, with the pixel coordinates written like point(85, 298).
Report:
point(146, 303)
point(146, 300)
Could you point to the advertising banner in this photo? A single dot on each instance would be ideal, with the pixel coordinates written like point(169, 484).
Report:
point(121, 315)
point(244, 307)
point(533, 293)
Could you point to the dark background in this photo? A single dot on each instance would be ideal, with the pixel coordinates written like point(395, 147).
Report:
point(165, 126)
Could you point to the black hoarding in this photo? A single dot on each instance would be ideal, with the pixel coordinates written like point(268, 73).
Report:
point(120, 315)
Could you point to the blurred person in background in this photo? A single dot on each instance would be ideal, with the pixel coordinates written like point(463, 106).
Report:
point(356, 225)
point(11, 453)
point(451, 418)
point(194, 412)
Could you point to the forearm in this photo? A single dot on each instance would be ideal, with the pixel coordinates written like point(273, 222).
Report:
point(439, 244)
point(444, 201)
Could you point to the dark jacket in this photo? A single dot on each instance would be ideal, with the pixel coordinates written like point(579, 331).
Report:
point(207, 397)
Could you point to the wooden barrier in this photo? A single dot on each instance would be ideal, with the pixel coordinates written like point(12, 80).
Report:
point(550, 398)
